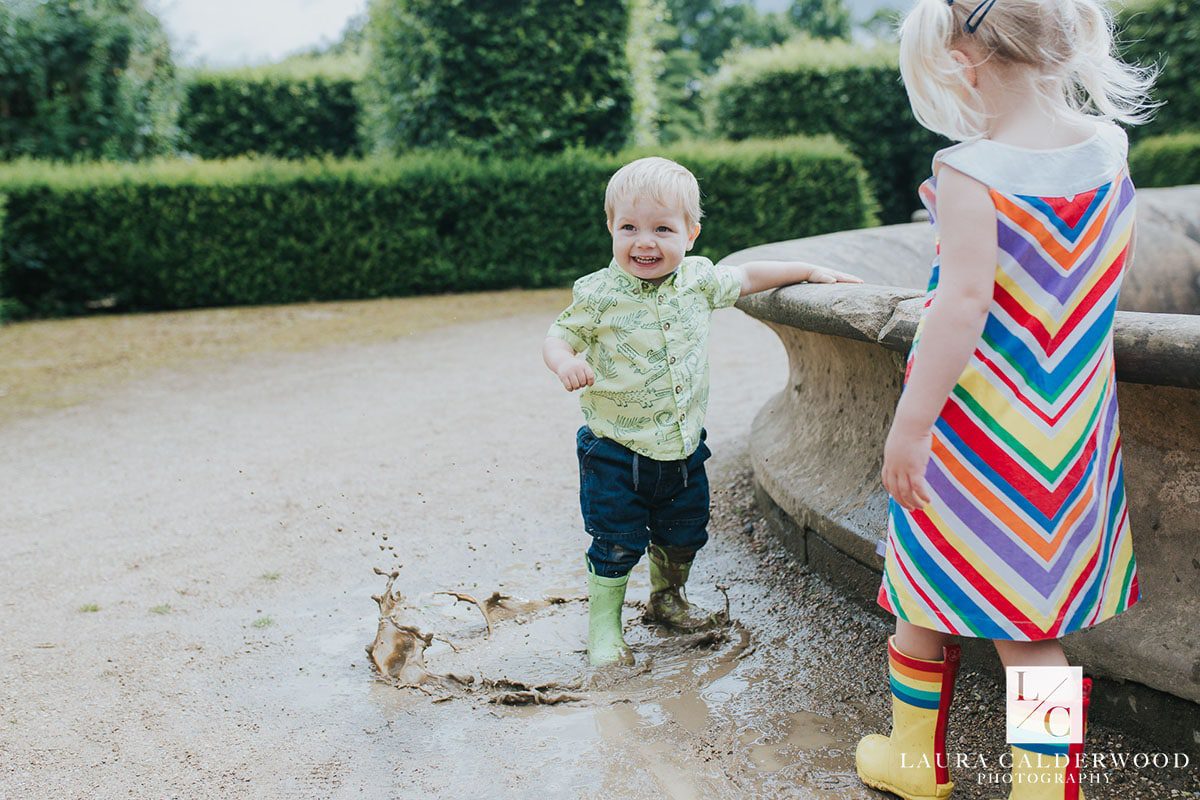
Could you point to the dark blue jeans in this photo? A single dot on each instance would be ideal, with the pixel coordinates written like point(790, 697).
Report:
point(630, 500)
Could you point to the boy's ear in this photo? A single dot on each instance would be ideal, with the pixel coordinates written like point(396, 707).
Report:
point(692, 237)
point(610, 230)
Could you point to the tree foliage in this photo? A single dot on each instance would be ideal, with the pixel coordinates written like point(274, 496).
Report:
point(712, 28)
point(821, 19)
point(85, 79)
point(1166, 34)
point(703, 34)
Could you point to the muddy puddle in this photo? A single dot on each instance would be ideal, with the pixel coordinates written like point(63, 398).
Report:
point(686, 721)
point(517, 651)
point(694, 717)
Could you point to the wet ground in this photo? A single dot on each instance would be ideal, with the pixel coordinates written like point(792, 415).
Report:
point(195, 509)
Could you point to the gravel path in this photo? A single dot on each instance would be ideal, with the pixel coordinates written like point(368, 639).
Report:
point(190, 550)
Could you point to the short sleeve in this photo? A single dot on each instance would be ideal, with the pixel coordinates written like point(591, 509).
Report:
point(576, 325)
point(720, 285)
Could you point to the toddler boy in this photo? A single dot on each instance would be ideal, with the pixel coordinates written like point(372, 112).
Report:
point(635, 340)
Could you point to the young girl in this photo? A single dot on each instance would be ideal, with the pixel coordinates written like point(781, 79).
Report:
point(1008, 518)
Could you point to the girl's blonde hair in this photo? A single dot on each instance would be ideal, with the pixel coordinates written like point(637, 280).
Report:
point(1067, 44)
point(659, 179)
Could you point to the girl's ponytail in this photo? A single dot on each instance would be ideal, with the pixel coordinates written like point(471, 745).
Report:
point(937, 88)
point(1067, 46)
point(1096, 78)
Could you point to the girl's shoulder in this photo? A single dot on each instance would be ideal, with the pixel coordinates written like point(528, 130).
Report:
point(1054, 172)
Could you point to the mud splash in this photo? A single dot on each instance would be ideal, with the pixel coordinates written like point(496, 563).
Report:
point(398, 651)
point(525, 652)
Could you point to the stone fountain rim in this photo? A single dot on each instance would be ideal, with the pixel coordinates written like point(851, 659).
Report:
point(1150, 348)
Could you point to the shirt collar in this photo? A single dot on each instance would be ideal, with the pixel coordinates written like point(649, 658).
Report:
point(636, 285)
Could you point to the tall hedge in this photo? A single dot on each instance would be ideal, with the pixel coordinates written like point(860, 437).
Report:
point(285, 112)
point(497, 77)
point(180, 235)
point(1172, 160)
point(808, 87)
point(85, 79)
point(1167, 33)
point(8, 307)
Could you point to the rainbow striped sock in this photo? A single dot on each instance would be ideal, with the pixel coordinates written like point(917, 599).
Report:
point(915, 681)
point(1048, 753)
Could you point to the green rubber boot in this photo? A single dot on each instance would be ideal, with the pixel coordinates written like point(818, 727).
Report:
point(606, 645)
point(668, 604)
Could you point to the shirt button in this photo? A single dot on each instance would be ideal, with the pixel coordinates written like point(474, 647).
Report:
point(666, 326)
point(681, 417)
point(672, 360)
point(660, 298)
point(678, 389)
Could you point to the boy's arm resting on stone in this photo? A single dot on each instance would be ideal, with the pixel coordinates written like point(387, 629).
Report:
point(563, 361)
point(758, 276)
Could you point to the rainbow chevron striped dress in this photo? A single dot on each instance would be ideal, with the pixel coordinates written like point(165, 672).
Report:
point(1028, 535)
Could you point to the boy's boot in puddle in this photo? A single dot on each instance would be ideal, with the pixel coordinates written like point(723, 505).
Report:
point(668, 604)
point(606, 645)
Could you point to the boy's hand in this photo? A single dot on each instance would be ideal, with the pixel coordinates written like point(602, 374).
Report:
point(905, 457)
point(575, 374)
point(758, 276)
point(824, 275)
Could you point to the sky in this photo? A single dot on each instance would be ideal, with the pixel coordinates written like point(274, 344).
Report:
point(222, 33)
point(237, 32)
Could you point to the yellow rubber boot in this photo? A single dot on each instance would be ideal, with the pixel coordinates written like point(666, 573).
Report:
point(912, 763)
point(1049, 773)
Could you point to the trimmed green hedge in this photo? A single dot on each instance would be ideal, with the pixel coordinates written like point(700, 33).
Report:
point(293, 112)
point(179, 235)
point(8, 308)
point(1172, 160)
point(495, 77)
point(808, 87)
point(1166, 32)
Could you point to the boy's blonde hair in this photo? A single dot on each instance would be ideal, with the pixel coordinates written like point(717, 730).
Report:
point(660, 180)
point(1068, 44)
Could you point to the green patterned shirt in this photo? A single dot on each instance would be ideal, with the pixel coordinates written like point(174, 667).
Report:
point(648, 346)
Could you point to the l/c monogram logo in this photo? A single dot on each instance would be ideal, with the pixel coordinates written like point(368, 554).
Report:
point(1044, 705)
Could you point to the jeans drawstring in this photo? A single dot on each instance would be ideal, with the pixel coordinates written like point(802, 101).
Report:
point(637, 460)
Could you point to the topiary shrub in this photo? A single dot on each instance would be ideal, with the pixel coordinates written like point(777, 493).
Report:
point(809, 87)
point(1172, 160)
point(299, 111)
point(497, 77)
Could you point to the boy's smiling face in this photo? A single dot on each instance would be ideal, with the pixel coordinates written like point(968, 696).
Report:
point(650, 239)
